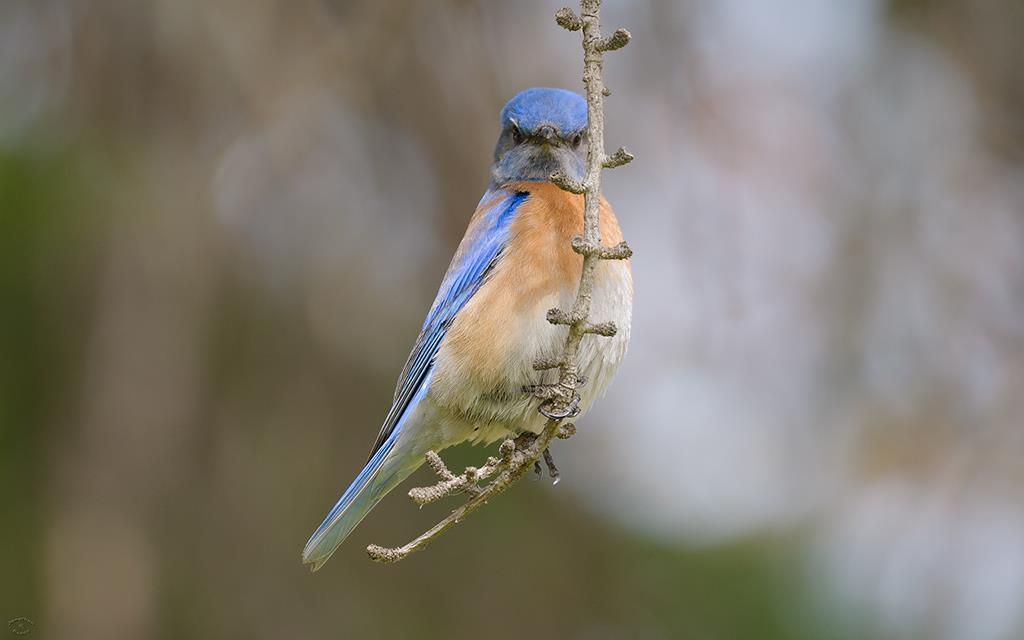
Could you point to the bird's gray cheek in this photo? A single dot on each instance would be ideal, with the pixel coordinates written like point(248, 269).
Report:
point(570, 162)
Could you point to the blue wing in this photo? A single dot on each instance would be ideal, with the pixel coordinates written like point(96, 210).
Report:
point(480, 250)
point(473, 262)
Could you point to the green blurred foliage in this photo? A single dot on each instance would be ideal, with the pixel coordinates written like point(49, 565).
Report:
point(39, 243)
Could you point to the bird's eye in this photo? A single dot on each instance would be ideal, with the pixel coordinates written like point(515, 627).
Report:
point(577, 139)
point(517, 133)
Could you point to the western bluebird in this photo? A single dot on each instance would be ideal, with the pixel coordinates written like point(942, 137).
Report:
point(465, 376)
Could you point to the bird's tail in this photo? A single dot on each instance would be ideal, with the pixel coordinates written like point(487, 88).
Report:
point(388, 467)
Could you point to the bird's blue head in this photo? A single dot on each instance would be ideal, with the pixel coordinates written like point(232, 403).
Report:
point(542, 131)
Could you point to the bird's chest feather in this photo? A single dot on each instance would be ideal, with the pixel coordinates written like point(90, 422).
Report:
point(489, 351)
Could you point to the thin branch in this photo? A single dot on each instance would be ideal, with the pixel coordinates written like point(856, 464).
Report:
point(620, 251)
point(606, 329)
point(615, 41)
point(560, 400)
point(543, 364)
point(567, 19)
point(619, 158)
point(518, 457)
point(559, 317)
point(565, 183)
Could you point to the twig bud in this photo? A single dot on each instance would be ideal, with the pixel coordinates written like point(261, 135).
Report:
point(606, 329)
point(567, 19)
point(506, 449)
point(620, 251)
point(378, 553)
point(617, 159)
point(543, 364)
point(565, 183)
point(557, 316)
point(438, 465)
point(615, 41)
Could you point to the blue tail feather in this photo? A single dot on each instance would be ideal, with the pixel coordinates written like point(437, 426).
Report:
point(387, 468)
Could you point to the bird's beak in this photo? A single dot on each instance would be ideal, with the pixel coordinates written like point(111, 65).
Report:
point(548, 133)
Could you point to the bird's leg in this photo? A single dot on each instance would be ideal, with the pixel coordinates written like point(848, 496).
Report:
point(523, 442)
point(549, 460)
point(525, 439)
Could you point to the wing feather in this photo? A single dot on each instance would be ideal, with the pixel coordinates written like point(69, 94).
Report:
point(475, 259)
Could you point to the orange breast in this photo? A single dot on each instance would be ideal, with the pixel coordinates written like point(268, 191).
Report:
point(539, 251)
point(495, 337)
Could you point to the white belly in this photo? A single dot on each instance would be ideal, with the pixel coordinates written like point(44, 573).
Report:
point(488, 412)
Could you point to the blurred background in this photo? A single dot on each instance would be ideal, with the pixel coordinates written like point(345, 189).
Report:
point(222, 223)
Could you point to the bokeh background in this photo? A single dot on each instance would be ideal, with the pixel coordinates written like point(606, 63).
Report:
point(221, 224)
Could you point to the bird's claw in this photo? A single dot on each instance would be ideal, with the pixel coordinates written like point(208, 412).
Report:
point(571, 411)
point(551, 394)
point(549, 460)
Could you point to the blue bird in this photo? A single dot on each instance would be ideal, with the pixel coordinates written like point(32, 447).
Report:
point(464, 379)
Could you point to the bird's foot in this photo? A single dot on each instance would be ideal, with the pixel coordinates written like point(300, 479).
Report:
point(524, 440)
point(549, 460)
point(552, 393)
point(547, 408)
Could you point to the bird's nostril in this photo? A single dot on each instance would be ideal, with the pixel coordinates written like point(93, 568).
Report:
point(547, 132)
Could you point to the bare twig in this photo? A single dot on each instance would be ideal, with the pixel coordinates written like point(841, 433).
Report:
point(620, 251)
point(617, 159)
point(565, 183)
point(561, 400)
